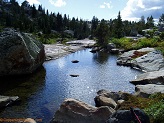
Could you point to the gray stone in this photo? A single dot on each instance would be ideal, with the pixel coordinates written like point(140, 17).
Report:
point(126, 116)
point(105, 101)
point(114, 51)
point(95, 49)
point(151, 61)
point(20, 53)
point(29, 120)
point(111, 46)
point(119, 102)
point(74, 111)
point(147, 90)
point(156, 77)
point(114, 95)
point(6, 100)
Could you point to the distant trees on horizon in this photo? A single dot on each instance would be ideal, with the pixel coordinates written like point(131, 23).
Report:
point(28, 18)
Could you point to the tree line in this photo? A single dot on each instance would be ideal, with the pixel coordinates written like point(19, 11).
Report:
point(28, 18)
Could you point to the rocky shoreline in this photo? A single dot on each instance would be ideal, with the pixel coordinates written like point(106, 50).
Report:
point(107, 110)
point(55, 51)
point(22, 54)
point(107, 104)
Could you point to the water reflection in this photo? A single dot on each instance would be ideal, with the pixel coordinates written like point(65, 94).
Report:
point(101, 57)
point(28, 88)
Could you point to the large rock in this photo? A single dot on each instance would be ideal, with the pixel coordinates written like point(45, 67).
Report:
point(156, 77)
point(145, 59)
point(20, 53)
point(111, 46)
point(6, 100)
point(153, 61)
point(74, 111)
point(147, 90)
point(105, 101)
point(114, 95)
point(126, 116)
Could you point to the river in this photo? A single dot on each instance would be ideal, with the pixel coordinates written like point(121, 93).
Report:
point(42, 93)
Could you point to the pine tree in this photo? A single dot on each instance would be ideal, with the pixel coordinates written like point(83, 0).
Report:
point(34, 11)
point(59, 21)
point(150, 22)
point(94, 24)
point(102, 33)
point(119, 26)
point(161, 19)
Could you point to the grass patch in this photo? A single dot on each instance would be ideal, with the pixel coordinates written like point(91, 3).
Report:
point(125, 43)
point(130, 44)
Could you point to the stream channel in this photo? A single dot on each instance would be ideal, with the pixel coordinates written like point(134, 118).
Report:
point(42, 93)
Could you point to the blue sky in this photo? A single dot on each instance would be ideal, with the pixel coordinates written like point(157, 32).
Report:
point(103, 9)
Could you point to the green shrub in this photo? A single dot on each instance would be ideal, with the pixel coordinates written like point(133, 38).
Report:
point(162, 35)
point(125, 43)
point(156, 112)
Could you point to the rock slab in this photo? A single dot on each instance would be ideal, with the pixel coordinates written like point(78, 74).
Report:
point(156, 77)
point(147, 90)
point(145, 59)
point(74, 111)
point(105, 101)
point(20, 53)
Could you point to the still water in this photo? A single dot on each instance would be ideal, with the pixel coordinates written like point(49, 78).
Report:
point(43, 92)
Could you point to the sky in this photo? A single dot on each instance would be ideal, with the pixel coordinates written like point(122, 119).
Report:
point(131, 10)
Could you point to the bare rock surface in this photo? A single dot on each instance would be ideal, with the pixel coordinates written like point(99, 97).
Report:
point(54, 51)
point(74, 111)
point(147, 90)
point(156, 77)
point(20, 53)
point(153, 61)
point(113, 95)
point(145, 59)
point(105, 101)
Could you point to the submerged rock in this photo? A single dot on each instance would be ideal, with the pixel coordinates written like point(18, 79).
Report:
point(156, 77)
point(6, 100)
point(74, 111)
point(147, 90)
point(95, 49)
point(74, 61)
point(73, 75)
point(20, 53)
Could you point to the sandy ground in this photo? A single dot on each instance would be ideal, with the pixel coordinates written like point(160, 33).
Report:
point(54, 51)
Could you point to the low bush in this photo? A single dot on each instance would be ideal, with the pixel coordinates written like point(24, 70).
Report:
point(156, 109)
point(130, 44)
point(153, 106)
point(125, 43)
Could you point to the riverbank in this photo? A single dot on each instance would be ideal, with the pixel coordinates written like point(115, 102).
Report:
point(55, 51)
point(146, 97)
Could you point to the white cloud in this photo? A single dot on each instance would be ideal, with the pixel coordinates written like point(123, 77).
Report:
point(58, 3)
point(108, 5)
point(31, 2)
point(102, 6)
point(140, 4)
point(136, 8)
